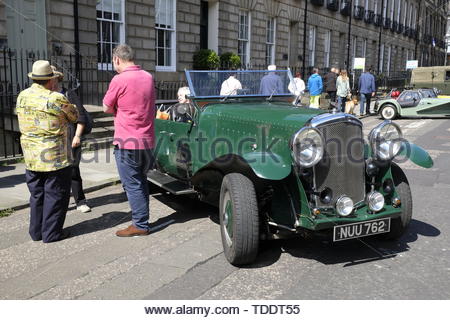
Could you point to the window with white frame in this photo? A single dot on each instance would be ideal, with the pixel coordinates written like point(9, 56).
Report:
point(375, 6)
point(244, 36)
point(327, 46)
point(366, 5)
point(110, 30)
point(405, 13)
point(399, 10)
point(410, 15)
point(270, 40)
point(385, 9)
point(165, 44)
point(312, 46)
point(392, 9)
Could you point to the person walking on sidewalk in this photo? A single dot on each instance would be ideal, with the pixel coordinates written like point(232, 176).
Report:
point(131, 98)
point(315, 87)
point(343, 90)
point(44, 117)
point(367, 90)
point(76, 132)
point(329, 84)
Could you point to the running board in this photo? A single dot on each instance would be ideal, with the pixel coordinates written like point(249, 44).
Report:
point(169, 183)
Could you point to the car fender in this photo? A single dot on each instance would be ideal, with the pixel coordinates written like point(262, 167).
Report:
point(392, 102)
point(268, 166)
point(416, 154)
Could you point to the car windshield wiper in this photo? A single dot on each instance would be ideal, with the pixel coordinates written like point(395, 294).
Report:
point(226, 97)
point(271, 95)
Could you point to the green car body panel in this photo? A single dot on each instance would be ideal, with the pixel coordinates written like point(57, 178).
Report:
point(416, 154)
point(219, 131)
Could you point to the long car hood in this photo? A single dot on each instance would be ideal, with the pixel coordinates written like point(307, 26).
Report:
point(275, 113)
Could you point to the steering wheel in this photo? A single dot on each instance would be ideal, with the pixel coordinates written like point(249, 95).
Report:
point(182, 112)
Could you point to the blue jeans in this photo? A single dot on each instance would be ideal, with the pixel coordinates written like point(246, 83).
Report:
point(364, 104)
point(133, 166)
point(341, 104)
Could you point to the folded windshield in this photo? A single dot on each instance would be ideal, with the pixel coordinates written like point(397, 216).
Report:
point(239, 83)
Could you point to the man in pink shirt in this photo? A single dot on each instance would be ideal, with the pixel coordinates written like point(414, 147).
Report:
point(131, 98)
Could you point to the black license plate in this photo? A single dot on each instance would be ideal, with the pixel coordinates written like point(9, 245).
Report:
point(361, 229)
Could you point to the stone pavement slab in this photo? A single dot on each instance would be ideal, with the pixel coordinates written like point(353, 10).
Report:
point(98, 169)
point(95, 264)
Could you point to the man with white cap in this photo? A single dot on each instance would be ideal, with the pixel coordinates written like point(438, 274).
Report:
point(44, 117)
point(271, 83)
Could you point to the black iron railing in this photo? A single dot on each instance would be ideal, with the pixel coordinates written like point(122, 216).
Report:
point(91, 82)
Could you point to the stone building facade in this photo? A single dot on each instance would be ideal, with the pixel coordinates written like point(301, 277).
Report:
point(167, 33)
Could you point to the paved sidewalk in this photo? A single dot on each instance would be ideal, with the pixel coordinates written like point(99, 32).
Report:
point(98, 169)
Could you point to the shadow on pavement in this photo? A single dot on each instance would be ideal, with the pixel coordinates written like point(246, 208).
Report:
point(6, 168)
point(107, 199)
point(349, 253)
point(186, 209)
point(11, 181)
point(106, 221)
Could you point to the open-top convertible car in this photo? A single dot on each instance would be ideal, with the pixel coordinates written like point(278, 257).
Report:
point(274, 168)
point(413, 103)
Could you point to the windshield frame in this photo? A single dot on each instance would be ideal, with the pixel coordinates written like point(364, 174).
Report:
point(193, 96)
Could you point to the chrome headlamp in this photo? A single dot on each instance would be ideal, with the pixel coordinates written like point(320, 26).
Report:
point(386, 140)
point(307, 147)
point(344, 206)
point(375, 201)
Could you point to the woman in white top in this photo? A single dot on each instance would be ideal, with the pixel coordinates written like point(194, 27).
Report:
point(343, 89)
point(297, 87)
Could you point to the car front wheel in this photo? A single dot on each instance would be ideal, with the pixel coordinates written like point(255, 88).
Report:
point(388, 112)
point(400, 224)
point(239, 219)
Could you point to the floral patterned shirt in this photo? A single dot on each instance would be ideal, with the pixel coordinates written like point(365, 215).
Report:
point(44, 117)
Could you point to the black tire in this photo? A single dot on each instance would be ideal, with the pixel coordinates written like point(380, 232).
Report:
point(388, 112)
point(400, 224)
point(238, 202)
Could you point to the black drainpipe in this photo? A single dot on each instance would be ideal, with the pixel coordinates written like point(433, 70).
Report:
point(349, 35)
point(379, 36)
point(77, 39)
point(304, 40)
point(417, 37)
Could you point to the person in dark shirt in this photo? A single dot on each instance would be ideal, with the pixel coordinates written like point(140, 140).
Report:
point(329, 83)
point(76, 132)
point(271, 83)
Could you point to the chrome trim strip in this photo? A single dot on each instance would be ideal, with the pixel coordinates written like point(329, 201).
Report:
point(327, 118)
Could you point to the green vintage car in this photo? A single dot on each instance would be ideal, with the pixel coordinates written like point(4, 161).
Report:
point(272, 167)
point(413, 103)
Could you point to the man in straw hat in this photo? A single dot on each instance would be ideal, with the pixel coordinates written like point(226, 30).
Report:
point(44, 117)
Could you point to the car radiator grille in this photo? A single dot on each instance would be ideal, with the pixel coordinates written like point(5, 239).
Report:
point(342, 168)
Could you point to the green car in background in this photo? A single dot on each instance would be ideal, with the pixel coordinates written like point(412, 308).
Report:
point(413, 103)
point(275, 169)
